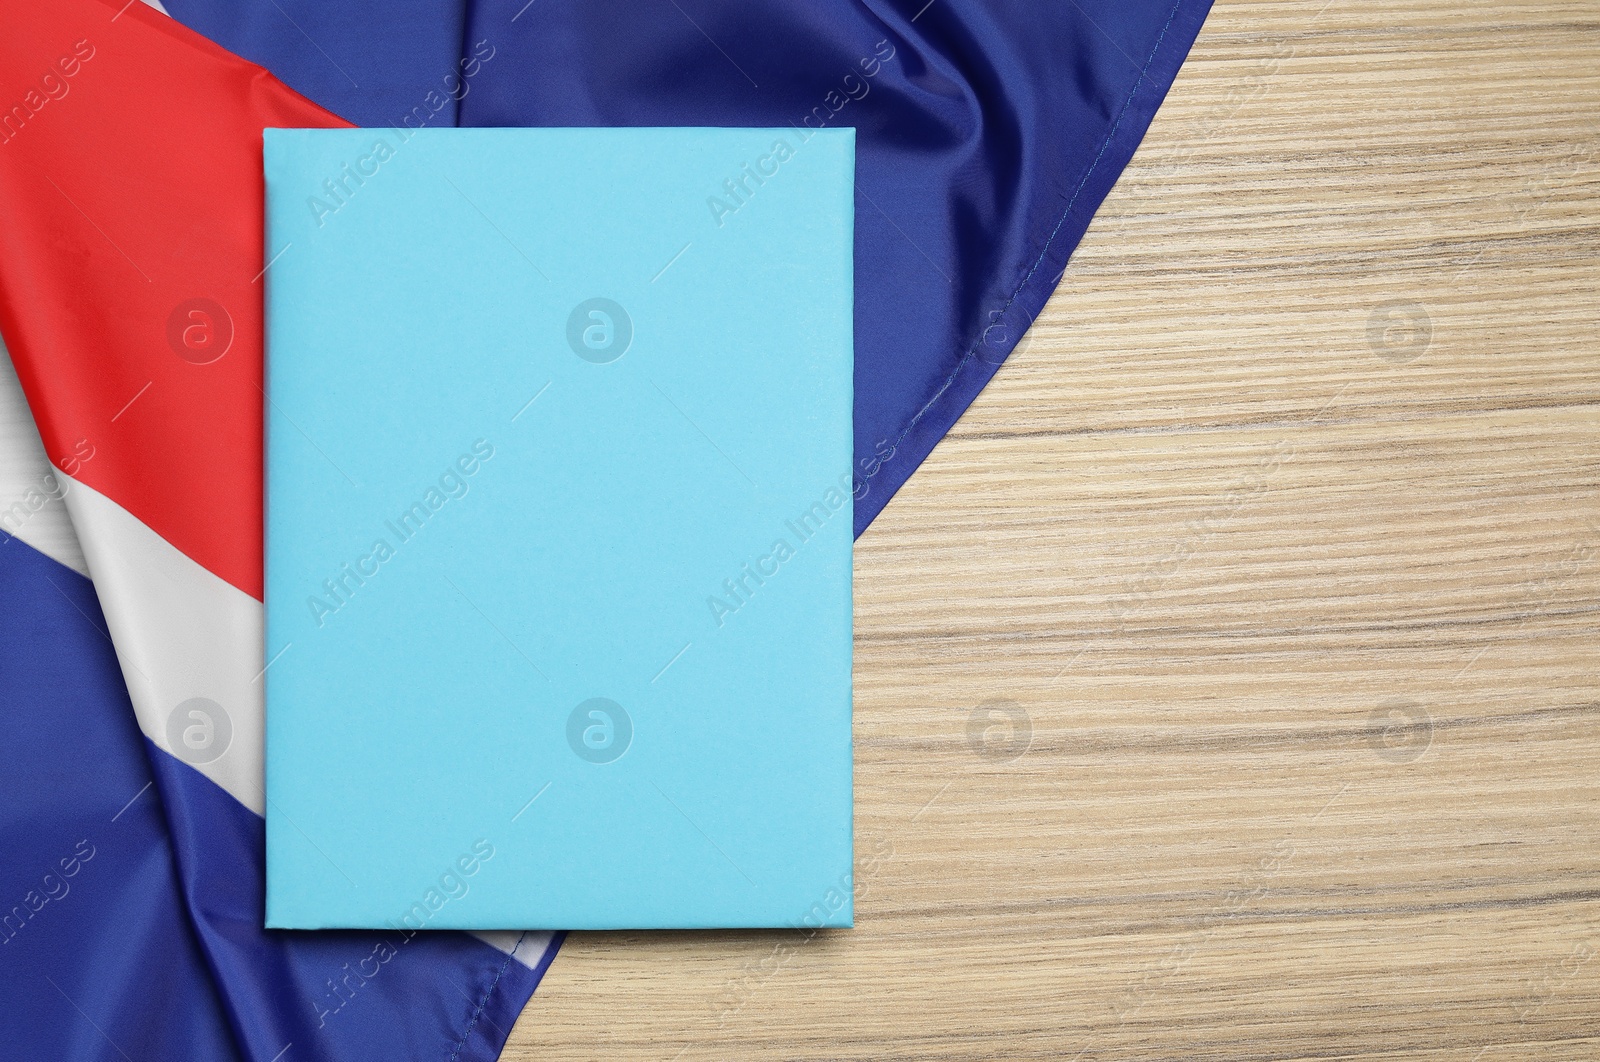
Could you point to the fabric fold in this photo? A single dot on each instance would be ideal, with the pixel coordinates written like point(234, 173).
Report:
point(987, 136)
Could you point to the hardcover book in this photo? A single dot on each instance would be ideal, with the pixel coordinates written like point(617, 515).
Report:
point(558, 619)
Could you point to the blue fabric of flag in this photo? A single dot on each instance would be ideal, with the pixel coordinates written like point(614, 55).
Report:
point(988, 133)
point(100, 955)
point(90, 931)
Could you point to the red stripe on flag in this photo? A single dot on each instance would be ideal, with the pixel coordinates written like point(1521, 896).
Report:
point(131, 258)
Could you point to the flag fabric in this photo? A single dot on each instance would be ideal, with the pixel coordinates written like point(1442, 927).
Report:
point(99, 956)
point(130, 267)
point(987, 134)
point(131, 258)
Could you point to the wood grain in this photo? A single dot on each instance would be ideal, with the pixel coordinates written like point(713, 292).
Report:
point(1272, 561)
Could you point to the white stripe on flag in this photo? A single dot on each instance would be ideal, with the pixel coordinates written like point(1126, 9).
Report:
point(189, 644)
point(31, 506)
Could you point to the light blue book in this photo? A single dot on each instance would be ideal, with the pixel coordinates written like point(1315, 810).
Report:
point(559, 528)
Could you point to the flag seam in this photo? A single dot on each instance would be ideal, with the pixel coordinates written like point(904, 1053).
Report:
point(454, 1055)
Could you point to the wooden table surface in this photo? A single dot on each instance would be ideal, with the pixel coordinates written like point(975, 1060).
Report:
point(1226, 681)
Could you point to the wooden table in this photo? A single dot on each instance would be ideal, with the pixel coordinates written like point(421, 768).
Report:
point(1226, 681)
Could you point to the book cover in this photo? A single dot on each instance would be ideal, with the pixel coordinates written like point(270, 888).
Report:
point(558, 528)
